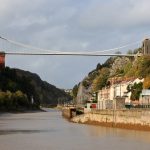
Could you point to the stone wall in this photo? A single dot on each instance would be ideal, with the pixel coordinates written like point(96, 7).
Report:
point(120, 103)
point(134, 119)
point(68, 112)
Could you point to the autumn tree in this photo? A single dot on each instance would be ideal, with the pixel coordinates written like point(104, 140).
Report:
point(100, 81)
point(146, 84)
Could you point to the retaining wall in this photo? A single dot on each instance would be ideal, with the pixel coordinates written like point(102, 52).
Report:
point(134, 119)
point(68, 112)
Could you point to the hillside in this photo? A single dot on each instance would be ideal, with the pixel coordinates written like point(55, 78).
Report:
point(29, 86)
point(118, 67)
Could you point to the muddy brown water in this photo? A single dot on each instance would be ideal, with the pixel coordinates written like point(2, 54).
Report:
point(49, 131)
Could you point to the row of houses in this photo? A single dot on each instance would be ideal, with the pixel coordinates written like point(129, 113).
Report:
point(117, 96)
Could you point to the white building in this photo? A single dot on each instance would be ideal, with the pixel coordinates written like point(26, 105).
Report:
point(116, 90)
point(145, 97)
point(103, 98)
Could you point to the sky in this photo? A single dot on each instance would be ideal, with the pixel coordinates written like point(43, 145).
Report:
point(71, 25)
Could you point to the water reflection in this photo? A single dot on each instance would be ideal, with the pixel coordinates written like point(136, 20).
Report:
point(6, 132)
point(98, 131)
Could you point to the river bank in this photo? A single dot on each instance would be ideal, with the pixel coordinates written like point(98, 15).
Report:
point(125, 119)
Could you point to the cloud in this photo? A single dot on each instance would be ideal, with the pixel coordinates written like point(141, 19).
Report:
point(117, 14)
point(70, 25)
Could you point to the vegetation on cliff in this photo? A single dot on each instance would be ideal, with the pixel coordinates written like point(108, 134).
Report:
point(124, 67)
point(23, 89)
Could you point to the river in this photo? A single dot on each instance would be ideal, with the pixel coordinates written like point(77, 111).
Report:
point(49, 131)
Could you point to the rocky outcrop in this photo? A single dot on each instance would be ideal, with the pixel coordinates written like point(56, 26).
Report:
point(118, 65)
point(83, 94)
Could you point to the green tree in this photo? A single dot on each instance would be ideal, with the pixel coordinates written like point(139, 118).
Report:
point(130, 52)
point(135, 90)
point(21, 99)
point(144, 66)
point(99, 66)
point(75, 91)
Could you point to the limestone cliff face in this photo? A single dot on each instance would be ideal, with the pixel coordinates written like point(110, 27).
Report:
point(83, 94)
point(118, 65)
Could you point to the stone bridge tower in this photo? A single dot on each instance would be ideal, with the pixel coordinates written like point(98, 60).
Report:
point(146, 47)
point(2, 60)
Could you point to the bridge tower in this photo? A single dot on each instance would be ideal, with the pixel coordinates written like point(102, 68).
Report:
point(146, 47)
point(2, 60)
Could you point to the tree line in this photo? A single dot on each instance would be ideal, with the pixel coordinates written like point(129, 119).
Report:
point(16, 92)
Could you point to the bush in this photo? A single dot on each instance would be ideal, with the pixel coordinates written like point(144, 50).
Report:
point(13, 101)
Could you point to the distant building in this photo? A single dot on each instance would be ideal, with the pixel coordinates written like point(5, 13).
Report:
point(68, 91)
point(89, 106)
point(2, 60)
point(146, 47)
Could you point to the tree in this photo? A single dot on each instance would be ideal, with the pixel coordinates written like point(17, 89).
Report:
point(75, 91)
point(22, 99)
point(99, 66)
point(146, 84)
point(135, 89)
point(118, 52)
point(85, 83)
point(109, 62)
point(144, 66)
point(137, 50)
point(130, 52)
point(101, 80)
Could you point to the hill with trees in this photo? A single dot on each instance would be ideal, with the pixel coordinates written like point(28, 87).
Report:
point(21, 90)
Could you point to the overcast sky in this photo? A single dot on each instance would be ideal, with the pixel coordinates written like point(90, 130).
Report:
point(71, 25)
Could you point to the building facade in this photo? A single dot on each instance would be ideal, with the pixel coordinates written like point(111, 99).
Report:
point(104, 94)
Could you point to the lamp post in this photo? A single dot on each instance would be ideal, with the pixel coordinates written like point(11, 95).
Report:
point(114, 106)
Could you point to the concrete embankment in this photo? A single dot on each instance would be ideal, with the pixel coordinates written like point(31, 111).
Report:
point(69, 112)
point(128, 119)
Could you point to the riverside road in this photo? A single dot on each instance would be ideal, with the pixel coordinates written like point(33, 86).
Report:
point(49, 131)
